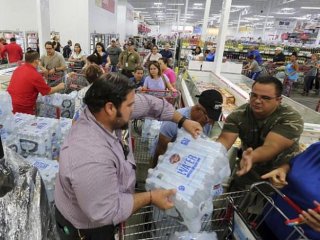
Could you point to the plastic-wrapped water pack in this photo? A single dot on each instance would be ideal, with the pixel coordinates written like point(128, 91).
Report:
point(47, 105)
point(150, 133)
point(48, 171)
point(24, 211)
point(193, 167)
point(6, 115)
point(65, 126)
point(194, 236)
point(40, 137)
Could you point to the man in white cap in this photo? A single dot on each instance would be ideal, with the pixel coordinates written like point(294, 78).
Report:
point(114, 52)
point(279, 58)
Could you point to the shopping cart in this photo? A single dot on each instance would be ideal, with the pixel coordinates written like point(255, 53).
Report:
point(76, 66)
point(76, 81)
point(236, 215)
point(142, 150)
point(54, 79)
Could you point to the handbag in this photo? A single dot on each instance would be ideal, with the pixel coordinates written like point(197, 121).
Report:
point(6, 175)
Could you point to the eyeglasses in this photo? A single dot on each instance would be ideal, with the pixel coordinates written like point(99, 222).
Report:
point(254, 96)
point(49, 48)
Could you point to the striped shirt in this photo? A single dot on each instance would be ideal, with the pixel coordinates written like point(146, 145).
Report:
point(95, 183)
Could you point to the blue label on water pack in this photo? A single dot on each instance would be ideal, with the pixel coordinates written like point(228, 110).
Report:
point(188, 165)
point(40, 165)
point(181, 188)
point(185, 141)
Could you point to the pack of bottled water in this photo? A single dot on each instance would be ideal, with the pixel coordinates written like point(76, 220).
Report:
point(48, 171)
point(193, 236)
point(47, 106)
point(6, 115)
point(40, 137)
point(5, 104)
point(193, 167)
point(65, 126)
point(150, 132)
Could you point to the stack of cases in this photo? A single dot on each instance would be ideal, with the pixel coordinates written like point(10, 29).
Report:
point(48, 170)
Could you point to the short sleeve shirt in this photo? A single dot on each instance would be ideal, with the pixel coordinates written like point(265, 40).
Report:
point(284, 121)
point(50, 62)
point(129, 60)
point(155, 84)
point(171, 75)
point(255, 66)
point(170, 129)
point(24, 87)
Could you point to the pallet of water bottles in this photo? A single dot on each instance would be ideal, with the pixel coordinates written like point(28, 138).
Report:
point(236, 215)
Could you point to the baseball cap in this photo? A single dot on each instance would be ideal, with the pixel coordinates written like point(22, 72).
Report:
point(212, 101)
point(113, 40)
point(278, 49)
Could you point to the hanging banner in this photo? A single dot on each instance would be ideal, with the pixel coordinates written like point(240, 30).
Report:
point(129, 13)
point(108, 5)
point(284, 24)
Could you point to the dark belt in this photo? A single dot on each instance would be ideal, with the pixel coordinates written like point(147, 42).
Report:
point(68, 232)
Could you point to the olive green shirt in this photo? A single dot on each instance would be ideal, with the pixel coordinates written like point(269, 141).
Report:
point(129, 60)
point(284, 121)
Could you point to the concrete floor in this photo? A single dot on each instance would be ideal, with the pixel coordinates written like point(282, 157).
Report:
point(310, 101)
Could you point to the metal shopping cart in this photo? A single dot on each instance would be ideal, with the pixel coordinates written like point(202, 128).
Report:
point(54, 79)
point(236, 215)
point(75, 81)
point(172, 97)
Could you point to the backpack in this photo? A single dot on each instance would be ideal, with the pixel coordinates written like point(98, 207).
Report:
point(66, 51)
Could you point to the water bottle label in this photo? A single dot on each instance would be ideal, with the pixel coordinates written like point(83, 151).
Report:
point(217, 190)
point(185, 141)
point(188, 165)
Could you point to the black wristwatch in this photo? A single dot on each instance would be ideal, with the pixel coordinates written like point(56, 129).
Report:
point(181, 121)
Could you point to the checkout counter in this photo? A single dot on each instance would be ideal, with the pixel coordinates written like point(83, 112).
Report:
point(235, 89)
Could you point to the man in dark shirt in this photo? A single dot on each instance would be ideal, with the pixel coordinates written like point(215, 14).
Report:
point(114, 52)
point(138, 77)
point(279, 58)
point(67, 50)
point(166, 52)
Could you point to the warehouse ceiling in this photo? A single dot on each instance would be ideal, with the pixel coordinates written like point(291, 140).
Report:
point(253, 12)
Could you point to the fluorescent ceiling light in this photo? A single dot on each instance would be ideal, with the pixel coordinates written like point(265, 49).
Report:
point(157, 3)
point(315, 8)
point(157, 7)
point(240, 6)
point(176, 4)
point(197, 4)
point(287, 9)
point(172, 9)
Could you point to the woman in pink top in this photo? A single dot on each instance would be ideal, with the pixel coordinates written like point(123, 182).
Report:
point(167, 71)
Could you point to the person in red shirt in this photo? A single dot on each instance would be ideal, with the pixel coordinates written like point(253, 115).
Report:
point(13, 50)
point(2, 44)
point(26, 83)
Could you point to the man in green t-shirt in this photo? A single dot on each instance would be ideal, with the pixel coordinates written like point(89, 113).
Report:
point(269, 132)
point(129, 60)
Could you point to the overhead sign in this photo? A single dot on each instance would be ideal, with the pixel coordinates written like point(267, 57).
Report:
point(108, 5)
